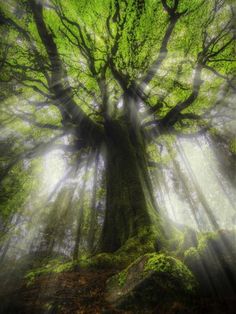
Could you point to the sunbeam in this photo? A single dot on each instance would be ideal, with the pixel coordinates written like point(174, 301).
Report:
point(117, 156)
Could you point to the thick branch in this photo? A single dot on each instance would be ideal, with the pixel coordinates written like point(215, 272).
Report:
point(174, 17)
point(59, 86)
point(174, 114)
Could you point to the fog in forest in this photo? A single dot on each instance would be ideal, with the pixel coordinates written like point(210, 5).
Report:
point(117, 156)
point(186, 190)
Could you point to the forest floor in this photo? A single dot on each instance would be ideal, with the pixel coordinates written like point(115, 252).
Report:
point(80, 292)
point(70, 292)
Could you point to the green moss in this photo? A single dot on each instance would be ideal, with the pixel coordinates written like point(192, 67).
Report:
point(163, 264)
point(48, 306)
point(212, 259)
point(121, 277)
point(157, 263)
point(53, 266)
point(133, 248)
point(191, 253)
point(149, 277)
point(204, 239)
point(103, 260)
point(194, 253)
point(184, 240)
point(202, 245)
point(232, 146)
point(144, 241)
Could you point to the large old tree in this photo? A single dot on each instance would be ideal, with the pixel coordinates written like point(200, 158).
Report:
point(113, 77)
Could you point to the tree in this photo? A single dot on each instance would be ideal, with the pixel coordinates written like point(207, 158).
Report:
point(114, 77)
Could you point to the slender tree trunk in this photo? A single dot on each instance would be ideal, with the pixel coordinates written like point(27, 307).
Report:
point(93, 214)
point(80, 217)
point(7, 245)
point(188, 195)
point(55, 229)
point(5, 250)
point(78, 233)
point(201, 197)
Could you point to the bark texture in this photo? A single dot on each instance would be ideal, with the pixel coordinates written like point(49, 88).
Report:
point(129, 202)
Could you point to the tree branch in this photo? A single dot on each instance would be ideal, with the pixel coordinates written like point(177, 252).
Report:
point(59, 86)
point(174, 17)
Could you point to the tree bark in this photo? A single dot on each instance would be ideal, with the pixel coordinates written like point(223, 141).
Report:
point(93, 214)
point(129, 201)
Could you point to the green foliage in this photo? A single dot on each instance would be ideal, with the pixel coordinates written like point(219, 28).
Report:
point(232, 146)
point(20, 182)
point(136, 31)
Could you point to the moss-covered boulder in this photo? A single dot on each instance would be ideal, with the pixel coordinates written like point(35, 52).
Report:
point(150, 280)
point(213, 262)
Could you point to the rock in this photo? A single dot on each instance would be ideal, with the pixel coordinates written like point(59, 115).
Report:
point(151, 280)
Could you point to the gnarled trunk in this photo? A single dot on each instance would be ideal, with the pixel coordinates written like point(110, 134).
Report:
point(129, 200)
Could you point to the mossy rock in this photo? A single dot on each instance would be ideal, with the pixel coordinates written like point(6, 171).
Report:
point(213, 262)
point(150, 280)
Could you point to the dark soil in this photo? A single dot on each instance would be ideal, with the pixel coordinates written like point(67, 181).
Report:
point(81, 292)
point(70, 292)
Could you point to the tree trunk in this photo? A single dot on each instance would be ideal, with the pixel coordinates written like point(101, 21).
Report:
point(130, 205)
point(93, 214)
point(80, 218)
